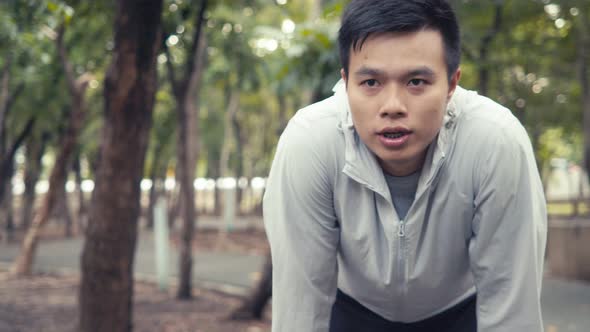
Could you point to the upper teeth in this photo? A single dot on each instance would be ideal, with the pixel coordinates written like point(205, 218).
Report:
point(393, 135)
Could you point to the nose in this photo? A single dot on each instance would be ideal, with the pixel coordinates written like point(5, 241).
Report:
point(393, 104)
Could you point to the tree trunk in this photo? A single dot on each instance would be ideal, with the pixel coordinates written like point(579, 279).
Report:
point(186, 95)
point(154, 177)
point(187, 193)
point(6, 164)
point(81, 213)
point(224, 169)
point(4, 93)
point(62, 210)
point(34, 153)
point(232, 110)
point(5, 182)
point(24, 262)
point(174, 198)
point(76, 87)
point(212, 158)
point(484, 65)
point(106, 288)
point(175, 202)
point(9, 200)
point(253, 306)
point(6, 208)
point(187, 190)
point(240, 143)
point(583, 63)
point(6, 102)
point(153, 196)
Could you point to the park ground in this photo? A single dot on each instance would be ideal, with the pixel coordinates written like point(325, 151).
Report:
point(48, 302)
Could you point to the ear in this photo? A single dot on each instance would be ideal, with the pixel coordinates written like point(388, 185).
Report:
point(343, 75)
point(453, 82)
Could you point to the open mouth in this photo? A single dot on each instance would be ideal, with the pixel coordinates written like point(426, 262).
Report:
point(394, 135)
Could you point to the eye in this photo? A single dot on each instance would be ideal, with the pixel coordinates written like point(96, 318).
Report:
point(371, 83)
point(416, 82)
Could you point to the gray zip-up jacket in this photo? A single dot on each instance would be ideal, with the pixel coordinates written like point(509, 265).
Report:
point(478, 222)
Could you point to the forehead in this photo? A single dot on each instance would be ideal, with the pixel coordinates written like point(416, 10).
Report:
point(400, 49)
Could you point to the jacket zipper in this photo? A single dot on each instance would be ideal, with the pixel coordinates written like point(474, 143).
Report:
point(401, 263)
point(401, 229)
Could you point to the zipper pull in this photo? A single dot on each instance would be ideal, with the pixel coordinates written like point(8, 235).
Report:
point(401, 229)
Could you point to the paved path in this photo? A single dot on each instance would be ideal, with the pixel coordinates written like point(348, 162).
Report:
point(566, 304)
point(212, 268)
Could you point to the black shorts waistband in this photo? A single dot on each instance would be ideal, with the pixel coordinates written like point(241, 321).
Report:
point(348, 315)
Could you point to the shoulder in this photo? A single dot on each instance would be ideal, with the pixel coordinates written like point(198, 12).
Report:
point(485, 124)
point(309, 152)
point(323, 115)
point(314, 131)
point(492, 140)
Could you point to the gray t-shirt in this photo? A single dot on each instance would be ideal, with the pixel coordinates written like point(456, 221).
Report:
point(403, 191)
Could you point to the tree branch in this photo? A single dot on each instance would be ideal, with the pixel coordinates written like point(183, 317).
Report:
point(192, 53)
point(67, 66)
point(484, 47)
point(4, 94)
point(6, 164)
point(170, 69)
point(494, 29)
point(193, 80)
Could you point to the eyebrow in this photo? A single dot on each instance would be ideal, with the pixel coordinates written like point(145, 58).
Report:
point(420, 71)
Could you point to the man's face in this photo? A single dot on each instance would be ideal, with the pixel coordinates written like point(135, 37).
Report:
point(398, 91)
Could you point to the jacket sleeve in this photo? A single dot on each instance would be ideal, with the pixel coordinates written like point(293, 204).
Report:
point(302, 230)
point(509, 235)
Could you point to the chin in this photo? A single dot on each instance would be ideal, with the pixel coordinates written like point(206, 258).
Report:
point(399, 155)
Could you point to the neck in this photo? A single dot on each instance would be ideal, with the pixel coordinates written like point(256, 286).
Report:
point(403, 168)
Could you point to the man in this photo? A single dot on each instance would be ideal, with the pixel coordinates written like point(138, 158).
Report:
point(404, 202)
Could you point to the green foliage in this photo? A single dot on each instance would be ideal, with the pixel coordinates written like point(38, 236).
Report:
point(281, 57)
point(532, 65)
point(27, 37)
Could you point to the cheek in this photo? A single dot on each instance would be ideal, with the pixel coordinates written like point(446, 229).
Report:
point(433, 110)
point(359, 120)
point(360, 115)
point(431, 119)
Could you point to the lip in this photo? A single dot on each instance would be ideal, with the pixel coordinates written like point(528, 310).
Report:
point(394, 143)
point(393, 129)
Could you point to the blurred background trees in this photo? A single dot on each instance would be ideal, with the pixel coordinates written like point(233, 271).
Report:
point(230, 74)
point(262, 61)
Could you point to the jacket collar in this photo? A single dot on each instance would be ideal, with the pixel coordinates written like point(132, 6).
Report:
point(361, 164)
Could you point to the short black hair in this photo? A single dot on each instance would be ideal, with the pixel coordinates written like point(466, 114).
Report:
point(363, 18)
